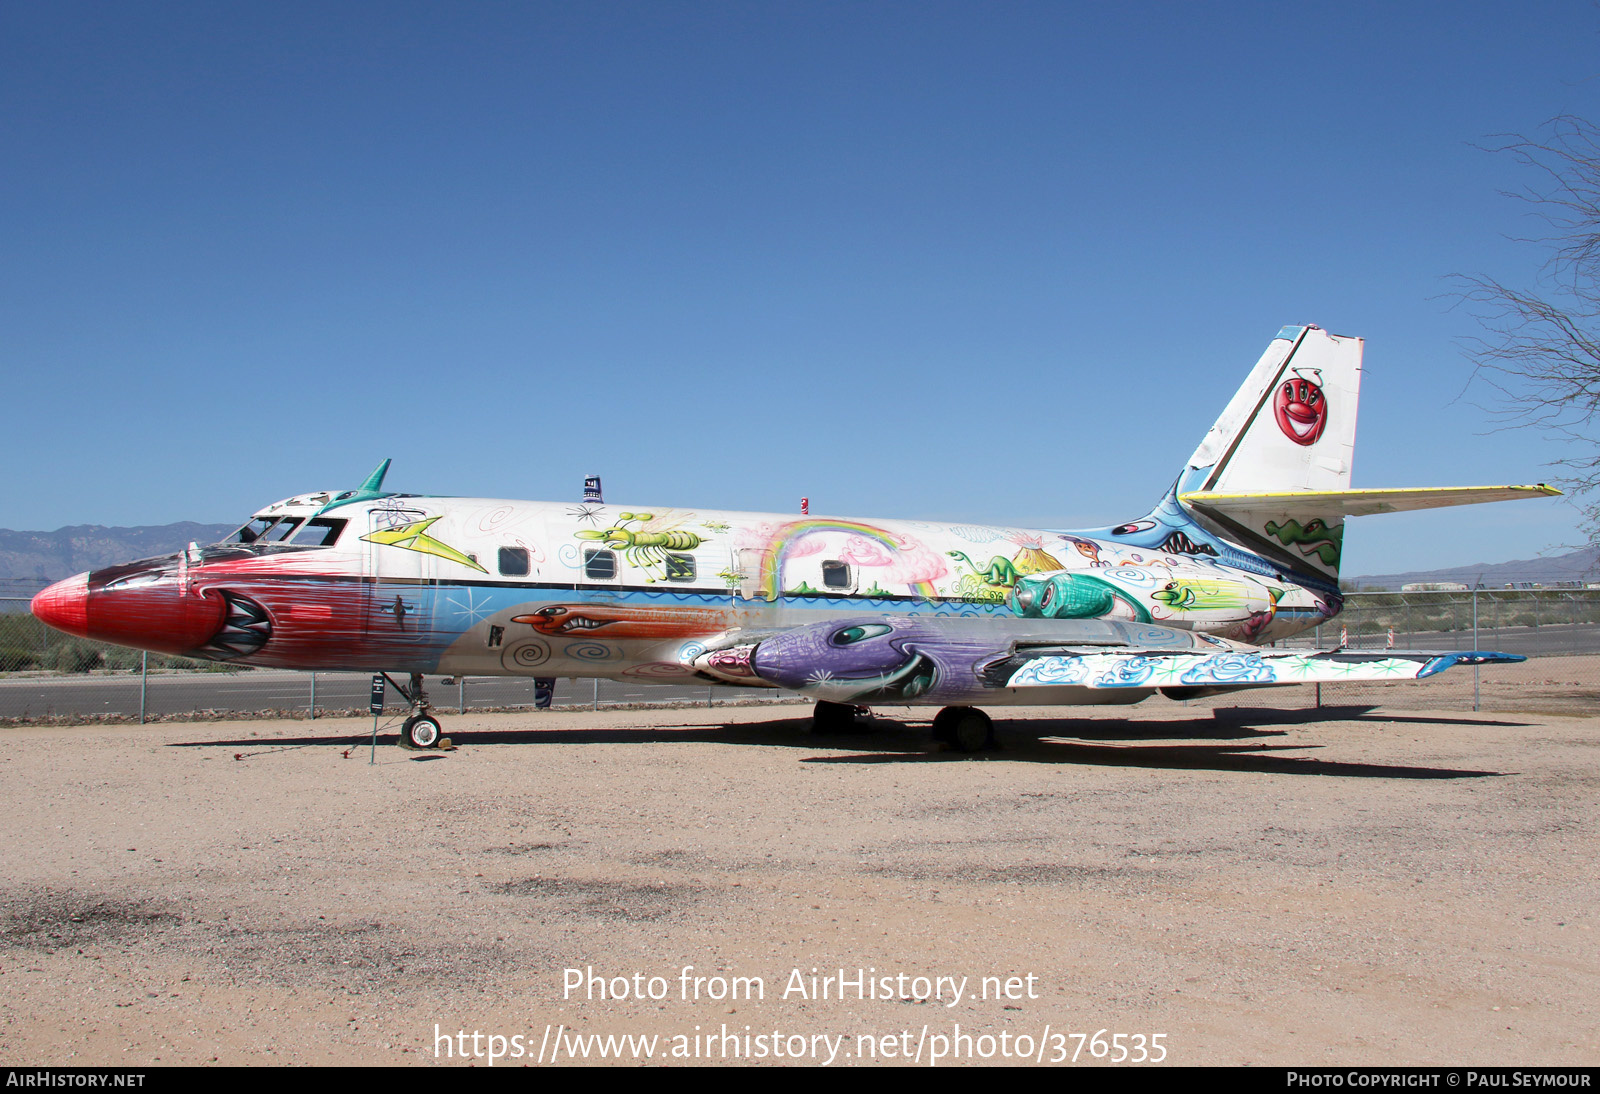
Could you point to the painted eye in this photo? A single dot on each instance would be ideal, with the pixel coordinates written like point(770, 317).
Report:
point(1136, 526)
point(134, 581)
point(851, 635)
point(1047, 596)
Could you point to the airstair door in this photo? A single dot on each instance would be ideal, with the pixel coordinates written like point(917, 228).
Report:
point(400, 575)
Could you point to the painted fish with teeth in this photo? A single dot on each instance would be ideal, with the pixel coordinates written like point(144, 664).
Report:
point(623, 622)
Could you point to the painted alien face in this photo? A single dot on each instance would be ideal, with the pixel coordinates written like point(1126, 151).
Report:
point(1301, 410)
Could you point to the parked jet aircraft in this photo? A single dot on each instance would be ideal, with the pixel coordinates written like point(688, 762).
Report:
point(1243, 549)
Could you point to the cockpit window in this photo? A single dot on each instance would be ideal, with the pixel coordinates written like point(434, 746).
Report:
point(281, 531)
point(252, 531)
point(321, 532)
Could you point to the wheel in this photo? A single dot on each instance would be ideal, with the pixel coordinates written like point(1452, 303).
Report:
point(971, 730)
point(832, 717)
point(944, 725)
point(421, 731)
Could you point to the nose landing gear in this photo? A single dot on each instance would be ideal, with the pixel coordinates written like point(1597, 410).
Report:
point(421, 730)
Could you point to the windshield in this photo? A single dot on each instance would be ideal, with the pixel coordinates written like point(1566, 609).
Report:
point(318, 532)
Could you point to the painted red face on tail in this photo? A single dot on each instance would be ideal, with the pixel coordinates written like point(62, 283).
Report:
point(1301, 410)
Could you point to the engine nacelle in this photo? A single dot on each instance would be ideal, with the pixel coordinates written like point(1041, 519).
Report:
point(1175, 596)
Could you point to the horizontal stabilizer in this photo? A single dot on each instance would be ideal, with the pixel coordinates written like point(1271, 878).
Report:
point(1360, 503)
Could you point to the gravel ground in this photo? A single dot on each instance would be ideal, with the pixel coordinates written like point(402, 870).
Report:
point(1219, 884)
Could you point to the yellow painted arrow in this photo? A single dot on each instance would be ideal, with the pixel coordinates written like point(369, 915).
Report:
point(414, 537)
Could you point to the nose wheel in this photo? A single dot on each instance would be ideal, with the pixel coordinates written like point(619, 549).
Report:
point(421, 730)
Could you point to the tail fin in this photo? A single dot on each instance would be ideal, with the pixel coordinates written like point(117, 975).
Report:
point(1292, 426)
point(1290, 429)
point(1270, 483)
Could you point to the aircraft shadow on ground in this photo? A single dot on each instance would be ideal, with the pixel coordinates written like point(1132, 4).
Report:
point(886, 740)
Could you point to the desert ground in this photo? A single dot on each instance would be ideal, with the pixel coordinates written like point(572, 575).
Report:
point(1210, 883)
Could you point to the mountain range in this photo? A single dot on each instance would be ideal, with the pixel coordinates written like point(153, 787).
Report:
point(29, 560)
point(1582, 565)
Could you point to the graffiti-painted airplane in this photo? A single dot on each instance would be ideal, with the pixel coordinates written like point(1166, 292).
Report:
point(1242, 550)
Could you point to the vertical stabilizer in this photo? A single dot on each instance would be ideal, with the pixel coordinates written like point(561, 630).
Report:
point(1292, 426)
point(1291, 429)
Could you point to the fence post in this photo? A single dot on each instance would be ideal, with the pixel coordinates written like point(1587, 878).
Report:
point(1475, 646)
point(144, 682)
point(461, 694)
point(312, 713)
point(597, 693)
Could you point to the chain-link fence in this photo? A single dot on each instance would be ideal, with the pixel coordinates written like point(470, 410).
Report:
point(1557, 629)
point(1530, 621)
point(48, 675)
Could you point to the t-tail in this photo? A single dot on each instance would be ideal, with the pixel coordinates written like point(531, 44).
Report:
point(1268, 489)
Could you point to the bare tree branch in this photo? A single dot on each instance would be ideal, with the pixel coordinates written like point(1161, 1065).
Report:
point(1540, 353)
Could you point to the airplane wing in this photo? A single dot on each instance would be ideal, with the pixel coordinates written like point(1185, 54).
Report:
point(1227, 671)
point(939, 659)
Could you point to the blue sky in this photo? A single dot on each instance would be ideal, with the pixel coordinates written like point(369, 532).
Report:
point(968, 261)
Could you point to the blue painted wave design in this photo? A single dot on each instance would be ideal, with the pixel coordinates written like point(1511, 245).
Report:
point(1051, 670)
point(1231, 668)
point(1127, 673)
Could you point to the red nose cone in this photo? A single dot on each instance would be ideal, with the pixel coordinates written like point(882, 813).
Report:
point(65, 605)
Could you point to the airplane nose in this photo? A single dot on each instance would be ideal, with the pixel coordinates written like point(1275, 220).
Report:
point(64, 605)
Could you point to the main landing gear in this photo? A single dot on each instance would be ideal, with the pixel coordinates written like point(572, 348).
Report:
point(966, 729)
point(421, 730)
point(832, 717)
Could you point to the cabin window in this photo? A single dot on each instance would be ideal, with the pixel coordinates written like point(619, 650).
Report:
point(680, 567)
point(599, 565)
point(514, 562)
point(836, 575)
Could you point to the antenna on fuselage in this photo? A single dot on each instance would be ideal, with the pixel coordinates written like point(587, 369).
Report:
point(370, 490)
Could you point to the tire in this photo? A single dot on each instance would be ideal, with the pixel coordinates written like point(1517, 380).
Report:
point(421, 732)
point(972, 730)
point(832, 717)
point(944, 731)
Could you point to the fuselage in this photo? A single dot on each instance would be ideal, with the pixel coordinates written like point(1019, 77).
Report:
point(1242, 550)
point(483, 586)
